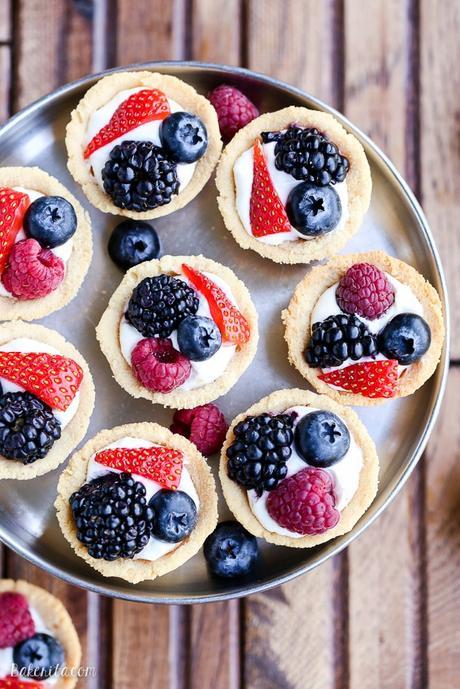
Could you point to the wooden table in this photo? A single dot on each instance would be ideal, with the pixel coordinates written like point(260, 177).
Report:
point(385, 613)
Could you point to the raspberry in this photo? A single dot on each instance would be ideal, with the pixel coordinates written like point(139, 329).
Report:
point(365, 290)
point(16, 623)
point(305, 502)
point(158, 366)
point(32, 272)
point(234, 109)
point(205, 426)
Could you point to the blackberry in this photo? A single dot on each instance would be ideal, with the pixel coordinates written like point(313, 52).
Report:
point(111, 516)
point(339, 338)
point(258, 455)
point(308, 155)
point(139, 176)
point(159, 304)
point(28, 427)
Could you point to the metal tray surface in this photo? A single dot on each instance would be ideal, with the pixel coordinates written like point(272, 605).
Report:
point(394, 223)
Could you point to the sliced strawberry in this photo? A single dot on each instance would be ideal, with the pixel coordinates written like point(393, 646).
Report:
point(53, 378)
point(160, 464)
point(11, 682)
point(370, 379)
point(232, 324)
point(266, 212)
point(13, 206)
point(142, 107)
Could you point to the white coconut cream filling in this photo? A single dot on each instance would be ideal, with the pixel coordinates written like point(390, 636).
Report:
point(283, 183)
point(145, 132)
point(345, 477)
point(202, 372)
point(27, 345)
point(64, 251)
point(154, 548)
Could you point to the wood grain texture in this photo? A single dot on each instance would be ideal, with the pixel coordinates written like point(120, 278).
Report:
point(376, 64)
point(440, 140)
point(5, 21)
point(216, 31)
point(443, 542)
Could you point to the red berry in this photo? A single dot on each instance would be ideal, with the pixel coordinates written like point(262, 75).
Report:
point(12, 682)
point(234, 109)
point(141, 107)
point(370, 379)
point(304, 502)
point(13, 206)
point(266, 212)
point(365, 290)
point(160, 464)
point(233, 326)
point(53, 378)
point(16, 623)
point(158, 366)
point(32, 272)
point(205, 426)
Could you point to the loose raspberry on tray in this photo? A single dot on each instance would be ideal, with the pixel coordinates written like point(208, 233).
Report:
point(205, 426)
point(234, 109)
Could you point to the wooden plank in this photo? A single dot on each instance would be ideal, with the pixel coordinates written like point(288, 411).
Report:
point(44, 59)
point(439, 129)
point(216, 31)
point(289, 636)
point(158, 28)
point(380, 606)
point(5, 20)
point(443, 542)
point(294, 41)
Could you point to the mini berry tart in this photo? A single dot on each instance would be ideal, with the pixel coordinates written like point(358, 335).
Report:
point(298, 469)
point(39, 646)
point(179, 331)
point(365, 328)
point(45, 244)
point(168, 507)
point(293, 185)
point(142, 144)
point(46, 399)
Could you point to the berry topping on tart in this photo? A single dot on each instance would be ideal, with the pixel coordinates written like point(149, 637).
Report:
point(337, 339)
point(369, 379)
point(174, 515)
point(16, 622)
point(39, 656)
point(205, 426)
point(321, 439)
point(141, 107)
point(234, 109)
point(13, 206)
point(313, 210)
point(366, 291)
point(12, 682)
point(232, 324)
point(160, 464)
point(308, 155)
point(53, 378)
point(267, 213)
point(305, 502)
point(51, 220)
point(407, 337)
point(184, 137)
point(158, 366)
point(32, 271)
point(198, 338)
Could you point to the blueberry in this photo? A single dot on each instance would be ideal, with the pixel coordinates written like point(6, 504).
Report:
point(133, 242)
point(406, 338)
point(174, 515)
point(184, 137)
point(198, 338)
point(38, 656)
point(321, 439)
point(313, 211)
point(51, 220)
point(230, 550)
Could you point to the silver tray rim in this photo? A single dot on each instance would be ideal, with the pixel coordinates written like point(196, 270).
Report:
point(442, 373)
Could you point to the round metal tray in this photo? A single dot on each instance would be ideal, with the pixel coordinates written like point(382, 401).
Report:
point(400, 428)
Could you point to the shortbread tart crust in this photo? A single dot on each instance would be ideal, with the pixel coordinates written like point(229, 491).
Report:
point(107, 333)
point(297, 319)
point(99, 95)
point(74, 432)
point(135, 571)
point(358, 180)
point(57, 621)
point(82, 250)
point(278, 402)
